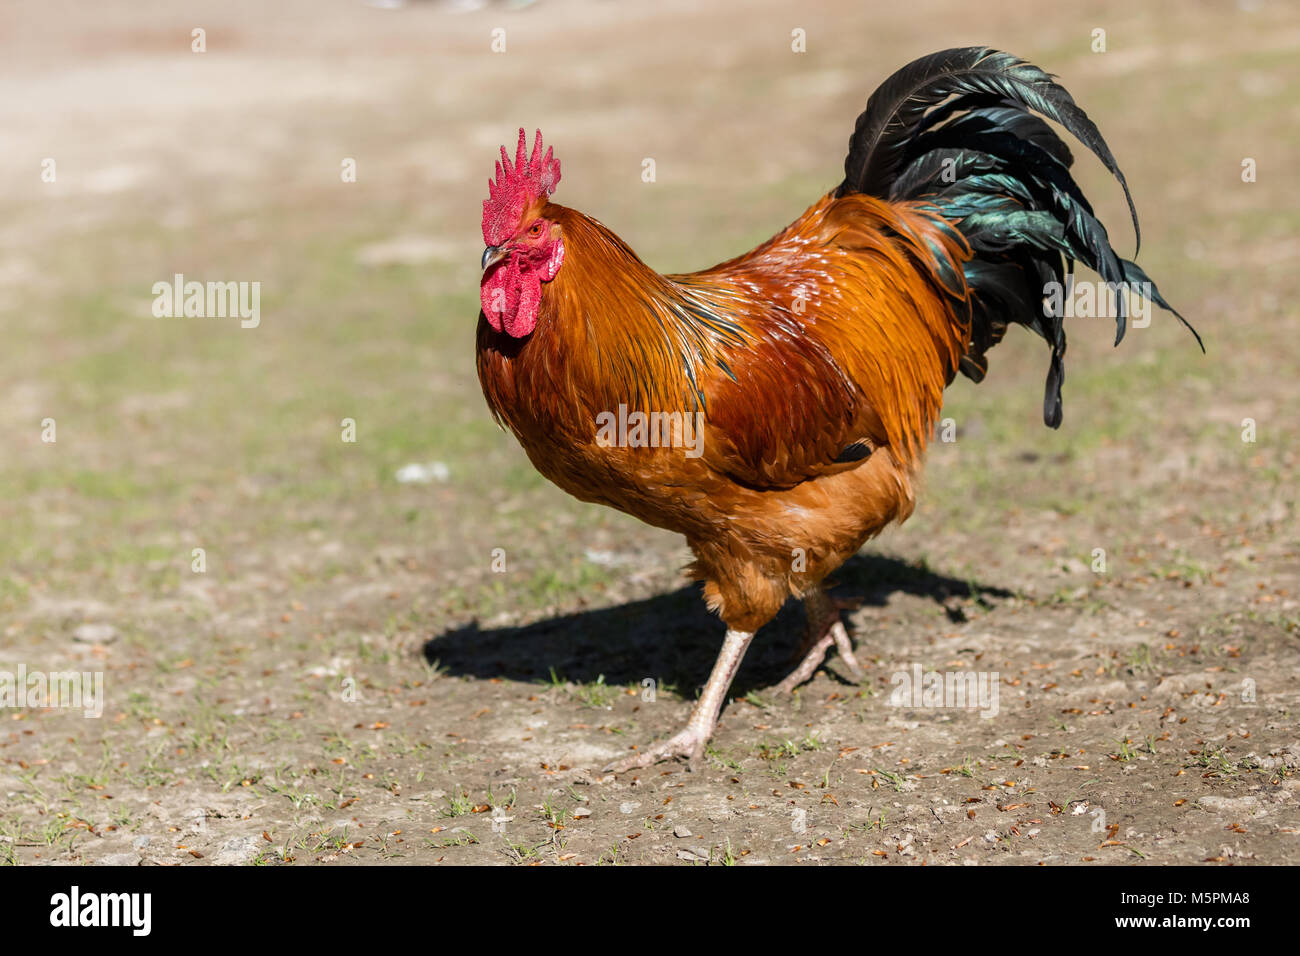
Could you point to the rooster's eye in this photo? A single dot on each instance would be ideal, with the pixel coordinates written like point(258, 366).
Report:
point(535, 230)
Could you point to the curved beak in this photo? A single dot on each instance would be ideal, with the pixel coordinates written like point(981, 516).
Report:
point(493, 254)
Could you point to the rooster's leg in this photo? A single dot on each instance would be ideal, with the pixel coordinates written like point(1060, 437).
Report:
point(824, 629)
point(690, 741)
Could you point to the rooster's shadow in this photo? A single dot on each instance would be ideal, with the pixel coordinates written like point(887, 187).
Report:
point(672, 637)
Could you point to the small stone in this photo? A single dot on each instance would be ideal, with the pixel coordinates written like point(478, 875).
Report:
point(423, 474)
point(95, 633)
point(682, 832)
point(140, 842)
point(1246, 805)
point(581, 812)
point(237, 851)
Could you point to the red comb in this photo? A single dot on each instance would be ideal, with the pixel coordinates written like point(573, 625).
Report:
point(516, 187)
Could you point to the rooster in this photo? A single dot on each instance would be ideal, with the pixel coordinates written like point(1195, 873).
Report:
point(794, 387)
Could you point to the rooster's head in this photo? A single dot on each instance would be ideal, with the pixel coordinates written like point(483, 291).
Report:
point(524, 249)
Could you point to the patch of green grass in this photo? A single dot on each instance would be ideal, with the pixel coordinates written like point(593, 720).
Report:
point(596, 694)
point(894, 778)
point(1139, 659)
point(458, 837)
point(524, 852)
point(1125, 751)
point(458, 805)
point(726, 857)
point(774, 750)
point(965, 770)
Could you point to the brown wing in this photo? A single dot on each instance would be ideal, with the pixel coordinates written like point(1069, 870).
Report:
point(851, 335)
point(789, 413)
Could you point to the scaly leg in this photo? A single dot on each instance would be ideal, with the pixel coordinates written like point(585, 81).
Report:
point(690, 741)
point(824, 629)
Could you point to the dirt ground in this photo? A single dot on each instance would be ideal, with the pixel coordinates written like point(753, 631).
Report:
point(342, 673)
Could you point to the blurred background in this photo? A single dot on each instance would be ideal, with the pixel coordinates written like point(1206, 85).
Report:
point(322, 554)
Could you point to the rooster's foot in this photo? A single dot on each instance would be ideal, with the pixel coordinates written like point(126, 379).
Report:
point(824, 629)
point(689, 744)
point(836, 635)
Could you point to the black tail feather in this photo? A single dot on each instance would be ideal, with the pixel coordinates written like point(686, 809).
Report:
point(955, 130)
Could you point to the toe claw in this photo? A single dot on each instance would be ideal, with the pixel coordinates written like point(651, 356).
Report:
point(684, 744)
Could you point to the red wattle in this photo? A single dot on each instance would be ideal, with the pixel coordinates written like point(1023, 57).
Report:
point(524, 319)
point(511, 297)
point(491, 295)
